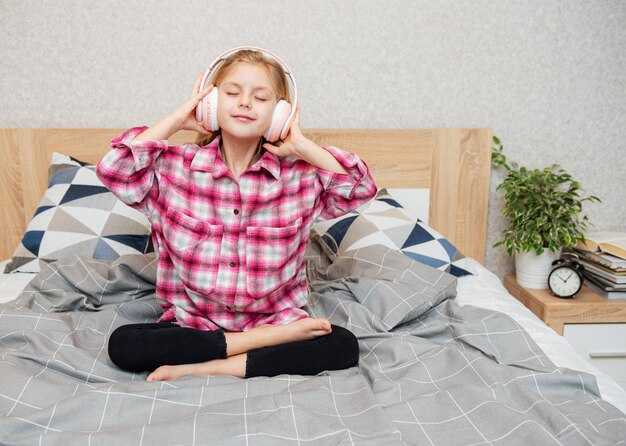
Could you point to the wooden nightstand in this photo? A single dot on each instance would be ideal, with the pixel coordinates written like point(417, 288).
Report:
point(586, 308)
point(595, 326)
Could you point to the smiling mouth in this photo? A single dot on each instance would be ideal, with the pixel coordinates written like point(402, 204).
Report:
point(243, 118)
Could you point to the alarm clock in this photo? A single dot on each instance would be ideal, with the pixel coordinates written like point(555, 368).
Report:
point(566, 277)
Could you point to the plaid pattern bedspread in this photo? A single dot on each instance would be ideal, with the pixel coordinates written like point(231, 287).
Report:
point(430, 372)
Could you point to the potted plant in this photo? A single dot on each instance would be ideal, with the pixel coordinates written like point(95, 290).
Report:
point(544, 208)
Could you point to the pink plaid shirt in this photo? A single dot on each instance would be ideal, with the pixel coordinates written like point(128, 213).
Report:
point(231, 251)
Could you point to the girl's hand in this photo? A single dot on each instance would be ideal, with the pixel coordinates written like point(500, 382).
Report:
point(183, 118)
point(296, 144)
point(185, 115)
point(291, 143)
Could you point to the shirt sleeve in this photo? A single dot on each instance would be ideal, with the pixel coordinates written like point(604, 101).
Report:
point(129, 168)
point(343, 193)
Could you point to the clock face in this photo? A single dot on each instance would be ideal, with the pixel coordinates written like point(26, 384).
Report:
point(564, 281)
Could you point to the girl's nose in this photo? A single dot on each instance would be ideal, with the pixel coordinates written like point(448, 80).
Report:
point(244, 102)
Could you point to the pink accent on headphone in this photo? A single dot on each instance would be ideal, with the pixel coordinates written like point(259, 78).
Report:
point(284, 113)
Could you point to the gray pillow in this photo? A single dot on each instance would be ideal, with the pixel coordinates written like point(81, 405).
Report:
point(391, 286)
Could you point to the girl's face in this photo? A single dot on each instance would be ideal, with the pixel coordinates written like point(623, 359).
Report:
point(246, 101)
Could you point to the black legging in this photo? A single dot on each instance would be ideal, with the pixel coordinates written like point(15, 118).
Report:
point(144, 347)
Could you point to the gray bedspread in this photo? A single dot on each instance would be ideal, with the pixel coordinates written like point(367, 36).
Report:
point(430, 371)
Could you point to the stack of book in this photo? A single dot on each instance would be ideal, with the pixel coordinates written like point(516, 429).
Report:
point(604, 258)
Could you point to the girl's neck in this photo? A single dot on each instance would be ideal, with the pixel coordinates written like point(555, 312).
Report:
point(239, 155)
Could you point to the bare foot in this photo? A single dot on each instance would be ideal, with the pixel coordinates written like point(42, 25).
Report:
point(302, 330)
point(168, 372)
point(269, 335)
point(234, 366)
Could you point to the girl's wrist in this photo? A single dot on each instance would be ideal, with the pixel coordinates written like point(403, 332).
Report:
point(174, 122)
point(302, 146)
point(315, 155)
point(163, 129)
point(169, 125)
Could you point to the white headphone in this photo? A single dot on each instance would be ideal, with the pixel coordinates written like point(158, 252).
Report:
point(284, 112)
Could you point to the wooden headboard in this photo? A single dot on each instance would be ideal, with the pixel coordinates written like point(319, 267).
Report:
point(453, 163)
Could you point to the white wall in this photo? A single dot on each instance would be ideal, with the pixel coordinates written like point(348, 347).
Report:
point(548, 76)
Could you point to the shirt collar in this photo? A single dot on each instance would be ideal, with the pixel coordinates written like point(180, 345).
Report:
point(209, 159)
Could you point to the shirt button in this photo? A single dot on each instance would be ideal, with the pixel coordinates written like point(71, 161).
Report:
point(232, 263)
point(229, 308)
point(236, 211)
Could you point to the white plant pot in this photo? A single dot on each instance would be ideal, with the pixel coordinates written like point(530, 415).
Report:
point(532, 270)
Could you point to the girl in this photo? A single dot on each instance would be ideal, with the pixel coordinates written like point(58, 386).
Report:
point(231, 216)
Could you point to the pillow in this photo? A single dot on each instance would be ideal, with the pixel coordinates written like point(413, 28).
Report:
point(79, 215)
point(388, 285)
point(383, 221)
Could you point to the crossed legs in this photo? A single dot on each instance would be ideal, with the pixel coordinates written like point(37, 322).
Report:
point(307, 346)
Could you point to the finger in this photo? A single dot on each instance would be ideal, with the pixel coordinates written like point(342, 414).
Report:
point(196, 86)
point(204, 92)
point(195, 99)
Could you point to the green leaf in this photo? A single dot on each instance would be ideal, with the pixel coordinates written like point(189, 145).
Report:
point(543, 205)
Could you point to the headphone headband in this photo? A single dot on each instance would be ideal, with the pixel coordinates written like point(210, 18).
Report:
point(286, 70)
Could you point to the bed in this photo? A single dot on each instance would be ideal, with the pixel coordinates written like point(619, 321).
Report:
point(447, 355)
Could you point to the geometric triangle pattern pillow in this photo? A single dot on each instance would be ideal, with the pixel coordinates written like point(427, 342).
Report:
point(79, 215)
point(383, 221)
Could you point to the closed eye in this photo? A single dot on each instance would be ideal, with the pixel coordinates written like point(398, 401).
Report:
point(256, 97)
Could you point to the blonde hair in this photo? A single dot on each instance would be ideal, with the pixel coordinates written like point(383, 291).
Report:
point(278, 80)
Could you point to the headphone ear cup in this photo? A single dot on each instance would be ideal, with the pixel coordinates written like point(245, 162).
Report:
point(206, 111)
point(211, 110)
point(288, 122)
point(279, 127)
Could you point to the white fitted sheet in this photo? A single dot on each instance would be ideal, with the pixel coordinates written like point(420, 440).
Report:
point(12, 284)
point(483, 289)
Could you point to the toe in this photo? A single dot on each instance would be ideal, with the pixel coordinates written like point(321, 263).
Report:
point(160, 374)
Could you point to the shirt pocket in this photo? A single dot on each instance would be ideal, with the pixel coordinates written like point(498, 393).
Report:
point(194, 247)
point(270, 257)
